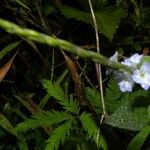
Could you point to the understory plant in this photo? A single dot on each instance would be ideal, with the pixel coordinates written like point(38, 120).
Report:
point(59, 95)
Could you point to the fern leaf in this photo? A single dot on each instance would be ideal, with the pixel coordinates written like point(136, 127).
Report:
point(72, 106)
point(42, 119)
point(58, 136)
point(94, 96)
point(108, 18)
point(93, 131)
point(55, 91)
point(113, 96)
point(89, 125)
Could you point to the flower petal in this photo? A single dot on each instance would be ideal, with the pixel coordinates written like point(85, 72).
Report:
point(114, 57)
point(136, 58)
point(145, 67)
point(145, 86)
point(125, 86)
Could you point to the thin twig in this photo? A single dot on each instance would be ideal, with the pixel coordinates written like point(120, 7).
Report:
point(83, 73)
point(99, 65)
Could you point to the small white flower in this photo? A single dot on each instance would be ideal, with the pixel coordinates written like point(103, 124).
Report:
point(126, 86)
point(127, 62)
point(145, 86)
point(141, 72)
point(142, 76)
point(114, 57)
point(136, 58)
point(133, 61)
point(145, 67)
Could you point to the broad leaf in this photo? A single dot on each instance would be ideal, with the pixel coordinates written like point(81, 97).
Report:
point(108, 18)
point(8, 48)
point(139, 139)
point(4, 123)
point(129, 116)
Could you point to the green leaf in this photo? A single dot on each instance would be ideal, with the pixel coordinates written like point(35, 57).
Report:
point(93, 131)
point(4, 123)
point(8, 48)
point(107, 18)
point(58, 136)
point(89, 125)
point(43, 119)
point(45, 99)
point(48, 9)
point(94, 96)
point(22, 4)
point(129, 116)
point(72, 105)
point(137, 142)
point(113, 96)
point(149, 111)
point(145, 59)
point(55, 91)
point(22, 144)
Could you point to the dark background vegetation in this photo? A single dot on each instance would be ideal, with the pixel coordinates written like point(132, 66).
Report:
point(35, 62)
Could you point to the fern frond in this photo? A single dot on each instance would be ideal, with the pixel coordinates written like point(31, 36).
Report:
point(139, 93)
point(113, 95)
point(43, 119)
point(55, 91)
point(89, 125)
point(94, 97)
point(93, 131)
point(72, 105)
point(58, 136)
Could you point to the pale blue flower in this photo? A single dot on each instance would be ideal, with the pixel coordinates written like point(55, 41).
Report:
point(133, 61)
point(145, 68)
point(136, 58)
point(127, 62)
point(126, 86)
point(112, 58)
point(142, 76)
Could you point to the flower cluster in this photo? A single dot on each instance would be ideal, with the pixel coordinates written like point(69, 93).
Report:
point(141, 73)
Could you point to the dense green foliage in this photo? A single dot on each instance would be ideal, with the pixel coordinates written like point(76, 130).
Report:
point(50, 99)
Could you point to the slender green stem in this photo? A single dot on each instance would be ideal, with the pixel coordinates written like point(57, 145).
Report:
point(62, 44)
